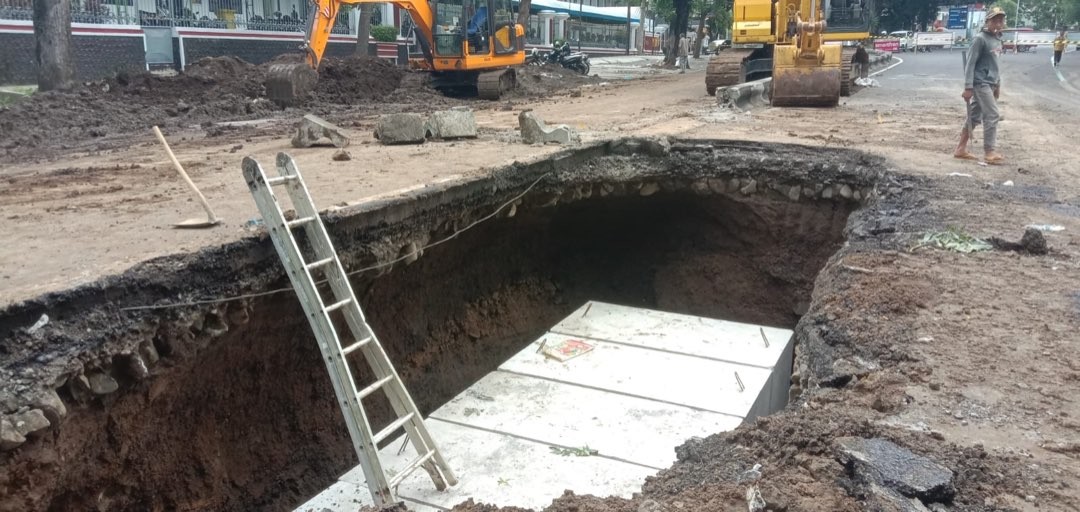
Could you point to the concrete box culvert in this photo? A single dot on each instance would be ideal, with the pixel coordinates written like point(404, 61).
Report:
point(227, 405)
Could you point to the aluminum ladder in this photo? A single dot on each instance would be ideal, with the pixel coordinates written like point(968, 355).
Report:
point(342, 301)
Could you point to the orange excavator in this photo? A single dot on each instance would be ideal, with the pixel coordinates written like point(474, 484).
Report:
point(471, 47)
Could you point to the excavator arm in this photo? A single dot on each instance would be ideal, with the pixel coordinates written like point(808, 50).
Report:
point(324, 14)
point(289, 82)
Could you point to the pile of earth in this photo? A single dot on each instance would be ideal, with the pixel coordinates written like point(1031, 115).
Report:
point(550, 80)
point(213, 89)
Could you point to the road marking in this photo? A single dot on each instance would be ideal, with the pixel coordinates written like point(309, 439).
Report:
point(901, 61)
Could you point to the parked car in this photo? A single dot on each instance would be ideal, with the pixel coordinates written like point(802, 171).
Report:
point(718, 45)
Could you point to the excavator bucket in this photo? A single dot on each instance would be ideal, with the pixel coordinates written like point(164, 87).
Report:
point(806, 81)
point(289, 83)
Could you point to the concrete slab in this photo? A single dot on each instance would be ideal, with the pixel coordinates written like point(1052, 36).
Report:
point(340, 497)
point(651, 380)
point(684, 334)
point(705, 384)
point(568, 415)
point(505, 470)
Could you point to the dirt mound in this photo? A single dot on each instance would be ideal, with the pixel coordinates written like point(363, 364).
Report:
point(353, 79)
point(213, 89)
point(549, 79)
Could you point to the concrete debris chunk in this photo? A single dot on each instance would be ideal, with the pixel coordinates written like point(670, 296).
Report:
point(401, 129)
point(314, 129)
point(883, 463)
point(341, 156)
point(29, 422)
point(456, 123)
point(535, 131)
point(9, 437)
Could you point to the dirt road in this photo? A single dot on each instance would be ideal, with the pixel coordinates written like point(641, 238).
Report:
point(117, 207)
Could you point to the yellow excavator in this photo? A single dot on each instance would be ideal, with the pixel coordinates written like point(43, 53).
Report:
point(786, 39)
point(471, 47)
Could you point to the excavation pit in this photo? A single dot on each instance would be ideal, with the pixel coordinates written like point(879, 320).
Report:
point(234, 409)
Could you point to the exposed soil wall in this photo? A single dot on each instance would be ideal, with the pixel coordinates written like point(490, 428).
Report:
point(227, 406)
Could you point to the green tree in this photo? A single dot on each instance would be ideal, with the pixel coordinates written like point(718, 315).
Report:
point(905, 14)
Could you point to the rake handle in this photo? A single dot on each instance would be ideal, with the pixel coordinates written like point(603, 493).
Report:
point(180, 169)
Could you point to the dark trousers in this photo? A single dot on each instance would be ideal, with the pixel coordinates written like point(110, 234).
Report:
point(1057, 57)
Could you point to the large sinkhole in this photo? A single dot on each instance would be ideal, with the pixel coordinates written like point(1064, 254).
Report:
point(236, 410)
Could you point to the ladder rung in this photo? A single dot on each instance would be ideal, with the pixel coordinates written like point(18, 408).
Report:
point(279, 180)
point(316, 264)
point(371, 389)
point(337, 305)
point(403, 474)
point(352, 348)
point(299, 222)
point(390, 429)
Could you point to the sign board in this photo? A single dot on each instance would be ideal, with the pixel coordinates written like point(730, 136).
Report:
point(887, 45)
point(958, 17)
point(941, 39)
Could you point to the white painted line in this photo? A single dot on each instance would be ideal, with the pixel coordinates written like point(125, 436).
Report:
point(888, 68)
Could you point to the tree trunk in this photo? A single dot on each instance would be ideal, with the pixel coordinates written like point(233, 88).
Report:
point(363, 30)
point(677, 29)
point(52, 33)
point(700, 34)
point(523, 13)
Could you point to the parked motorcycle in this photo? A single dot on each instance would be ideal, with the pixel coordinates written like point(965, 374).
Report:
point(562, 55)
point(569, 59)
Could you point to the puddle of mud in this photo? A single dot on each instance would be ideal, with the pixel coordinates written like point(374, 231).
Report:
point(239, 412)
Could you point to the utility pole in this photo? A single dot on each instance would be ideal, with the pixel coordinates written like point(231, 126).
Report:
point(580, 23)
point(629, 35)
point(1016, 33)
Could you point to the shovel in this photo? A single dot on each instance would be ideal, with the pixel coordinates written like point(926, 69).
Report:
point(211, 219)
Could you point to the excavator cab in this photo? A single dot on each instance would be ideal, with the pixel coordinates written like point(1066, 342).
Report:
point(476, 44)
point(471, 47)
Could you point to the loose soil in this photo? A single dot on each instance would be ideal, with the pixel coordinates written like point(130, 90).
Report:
point(215, 90)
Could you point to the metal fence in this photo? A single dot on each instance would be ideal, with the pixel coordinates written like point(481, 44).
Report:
point(269, 15)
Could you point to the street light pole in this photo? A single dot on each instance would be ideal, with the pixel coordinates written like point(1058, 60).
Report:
point(628, 35)
point(580, 23)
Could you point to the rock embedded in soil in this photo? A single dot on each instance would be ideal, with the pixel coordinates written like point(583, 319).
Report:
point(883, 463)
point(101, 384)
point(883, 499)
point(9, 437)
point(30, 422)
point(1034, 242)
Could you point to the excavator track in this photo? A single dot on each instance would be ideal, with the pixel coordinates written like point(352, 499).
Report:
point(724, 69)
point(855, 63)
point(490, 85)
